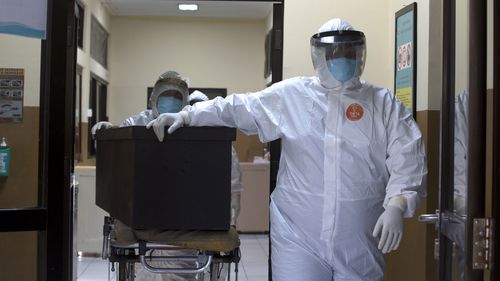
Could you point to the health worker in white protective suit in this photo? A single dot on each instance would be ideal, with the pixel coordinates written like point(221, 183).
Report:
point(352, 162)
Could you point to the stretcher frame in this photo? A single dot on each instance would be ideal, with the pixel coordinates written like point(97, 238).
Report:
point(127, 255)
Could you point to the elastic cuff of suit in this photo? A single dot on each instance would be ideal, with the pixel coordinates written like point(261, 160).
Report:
point(398, 201)
point(185, 117)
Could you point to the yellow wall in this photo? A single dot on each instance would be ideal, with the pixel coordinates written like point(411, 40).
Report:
point(489, 60)
point(220, 53)
point(302, 19)
point(96, 9)
point(211, 53)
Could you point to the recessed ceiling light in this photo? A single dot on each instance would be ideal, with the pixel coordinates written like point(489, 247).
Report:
point(188, 7)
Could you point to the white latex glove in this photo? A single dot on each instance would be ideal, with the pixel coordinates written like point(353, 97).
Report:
point(101, 125)
point(390, 228)
point(174, 120)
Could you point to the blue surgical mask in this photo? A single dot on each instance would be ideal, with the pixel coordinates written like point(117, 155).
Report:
point(342, 69)
point(169, 104)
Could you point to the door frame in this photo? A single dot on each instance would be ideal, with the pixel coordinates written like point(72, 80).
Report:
point(54, 218)
point(476, 154)
point(495, 271)
point(476, 134)
point(447, 137)
point(277, 75)
point(56, 141)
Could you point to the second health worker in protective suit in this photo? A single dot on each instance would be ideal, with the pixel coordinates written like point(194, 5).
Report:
point(170, 94)
point(352, 162)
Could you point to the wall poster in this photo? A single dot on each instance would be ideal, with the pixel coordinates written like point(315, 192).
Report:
point(25, 18)
point(405, 62)
point(11, 95)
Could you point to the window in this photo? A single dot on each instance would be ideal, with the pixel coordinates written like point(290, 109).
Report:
point(97, 109)
point(78, 110)
point(99, 43)
point(80, 22)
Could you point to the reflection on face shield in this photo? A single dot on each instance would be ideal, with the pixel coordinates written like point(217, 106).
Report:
point(340, 51)
point(169, 102)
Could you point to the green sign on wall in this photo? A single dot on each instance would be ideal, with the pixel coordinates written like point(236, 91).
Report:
point(405, 62)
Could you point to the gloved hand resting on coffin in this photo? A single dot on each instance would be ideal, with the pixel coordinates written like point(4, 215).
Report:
point(100, 125)
point(174, 120)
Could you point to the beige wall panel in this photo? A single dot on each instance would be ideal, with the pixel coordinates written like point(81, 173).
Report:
point(211, 53)
point(219, 54)
point(25, 53)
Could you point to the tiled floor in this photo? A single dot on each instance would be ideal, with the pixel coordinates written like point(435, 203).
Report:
point(252, 267)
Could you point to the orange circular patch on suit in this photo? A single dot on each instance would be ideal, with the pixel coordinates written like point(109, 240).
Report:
point(354, 112)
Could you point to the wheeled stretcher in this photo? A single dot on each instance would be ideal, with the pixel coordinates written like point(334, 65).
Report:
point(208, 252)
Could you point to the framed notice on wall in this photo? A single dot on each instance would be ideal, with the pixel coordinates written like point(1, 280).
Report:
point(405, 62)
point(11, 95)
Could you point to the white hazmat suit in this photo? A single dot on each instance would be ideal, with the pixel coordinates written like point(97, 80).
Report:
point(349, 150)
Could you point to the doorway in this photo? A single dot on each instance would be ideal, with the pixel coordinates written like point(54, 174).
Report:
point(468, 199)
point(140, 50)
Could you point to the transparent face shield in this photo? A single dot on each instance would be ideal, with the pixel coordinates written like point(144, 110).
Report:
point(169, 101)
point(169, 96)
point(338, 56)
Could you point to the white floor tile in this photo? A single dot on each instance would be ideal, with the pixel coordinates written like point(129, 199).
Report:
point(82, 265)
point(258, 277)
point(252, 267)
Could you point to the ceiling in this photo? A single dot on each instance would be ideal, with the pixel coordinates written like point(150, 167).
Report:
point(206, 9)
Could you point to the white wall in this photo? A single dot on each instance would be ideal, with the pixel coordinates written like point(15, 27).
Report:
point(89, 65)
point(141, 48)
point(462, 47)
point(23, 52)
point(303, 18)
point(376, 20)
point(212, 53)
point(489, 60)
point(269, 26)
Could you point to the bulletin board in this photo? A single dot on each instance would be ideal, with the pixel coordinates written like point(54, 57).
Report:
point(405, 62)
